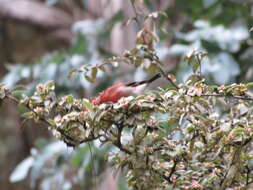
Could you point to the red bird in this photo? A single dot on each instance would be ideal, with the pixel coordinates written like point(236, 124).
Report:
point(121, 89)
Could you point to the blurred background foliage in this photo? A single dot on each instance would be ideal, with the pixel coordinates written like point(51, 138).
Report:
point(32, 54)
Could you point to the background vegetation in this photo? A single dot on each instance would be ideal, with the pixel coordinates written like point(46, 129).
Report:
point(82, 34)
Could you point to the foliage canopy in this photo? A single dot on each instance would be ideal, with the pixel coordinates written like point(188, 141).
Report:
point(192, 135)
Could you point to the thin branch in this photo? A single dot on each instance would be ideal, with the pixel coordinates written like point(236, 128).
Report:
point(173, 169)
point(93, 171)
point(230, 96)
point(137, 19)
point(247, 175)
point(118, 142)
point(168, 78)
point(136, 14)
point(200, 67)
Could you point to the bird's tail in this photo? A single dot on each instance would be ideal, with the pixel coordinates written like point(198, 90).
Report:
point(157, 76)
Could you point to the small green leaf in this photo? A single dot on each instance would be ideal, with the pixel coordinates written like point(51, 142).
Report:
point(190, 129)
point(50, 85)
point(101, 68)
point(171, 121)
point(94, 72)
point(27, 114)
point(70, 99)
point(51, 122)
point(87, 104)
point(238, 131)
point(71, 73)
point(88, 78)
point(249, 85)
point(195, 66)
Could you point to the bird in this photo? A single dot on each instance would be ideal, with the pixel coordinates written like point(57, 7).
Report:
point(122, 89)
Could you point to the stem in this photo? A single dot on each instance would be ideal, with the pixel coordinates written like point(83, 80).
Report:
point(118, 142)
point(168, 78)
point(136, 14)
point(173, 169)
point(229, 96)
point(199, 62)
point(137, 19)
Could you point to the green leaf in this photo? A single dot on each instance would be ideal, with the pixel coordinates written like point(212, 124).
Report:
point(87, 104)
point(171, 121)
point(101, 68)
point(27, 114)
point(71, 73)
point(50, 85)
point(70, 99)
point(190, 128)
point(88, 78)
point(238, 131)
point(189, 57)
point(94, 72)
point(51, 122)
point(249, 85)
point(195, 66)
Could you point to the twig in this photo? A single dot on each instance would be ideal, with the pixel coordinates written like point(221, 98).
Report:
point(136, 14)
point(199, 62)
point(247, 175)
point(230, 96)
point(118, 142)
point(137, 19)
point(94, 173)
point(168, 78)
point(173, 169)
